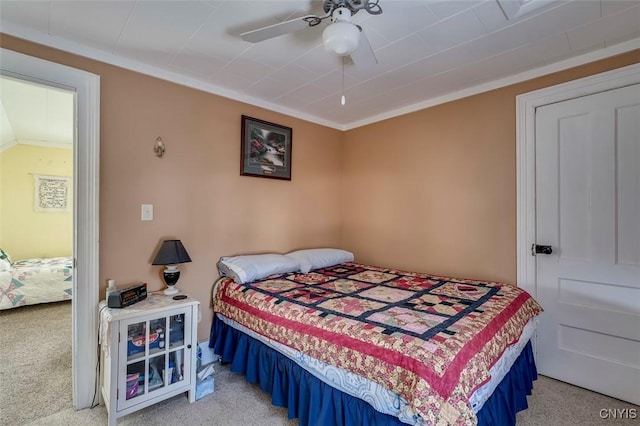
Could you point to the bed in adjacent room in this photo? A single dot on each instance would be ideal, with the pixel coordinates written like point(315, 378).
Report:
point(33, 281)
point(354, 344)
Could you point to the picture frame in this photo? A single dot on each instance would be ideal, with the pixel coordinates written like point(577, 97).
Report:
point(265, 149)
point(52, 193)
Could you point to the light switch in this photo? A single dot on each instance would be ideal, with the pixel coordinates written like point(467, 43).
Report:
point(147, 212)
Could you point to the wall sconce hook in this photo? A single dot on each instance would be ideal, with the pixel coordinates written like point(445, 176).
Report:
point(158, 147)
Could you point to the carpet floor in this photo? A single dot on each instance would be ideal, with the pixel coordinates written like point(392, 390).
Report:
point(35, 367)
point(234, 401)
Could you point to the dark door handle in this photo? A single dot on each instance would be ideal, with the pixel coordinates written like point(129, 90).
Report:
point(541, 249)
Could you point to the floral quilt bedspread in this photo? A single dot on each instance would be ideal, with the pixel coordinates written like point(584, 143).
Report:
point(33, 281)
point(430, 339)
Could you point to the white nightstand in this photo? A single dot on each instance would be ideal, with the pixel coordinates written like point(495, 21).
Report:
point(148, 353)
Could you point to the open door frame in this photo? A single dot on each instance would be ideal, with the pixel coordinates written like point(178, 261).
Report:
point(86, 174)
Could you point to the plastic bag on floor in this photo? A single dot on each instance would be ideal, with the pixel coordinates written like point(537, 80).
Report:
point(204, 377)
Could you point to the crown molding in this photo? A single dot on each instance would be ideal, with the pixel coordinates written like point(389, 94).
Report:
point(102, 56)
point(606, 52)
point(133, 65)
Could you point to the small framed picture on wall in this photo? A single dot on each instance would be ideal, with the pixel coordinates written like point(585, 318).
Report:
point(265, 149)
point(53, 193)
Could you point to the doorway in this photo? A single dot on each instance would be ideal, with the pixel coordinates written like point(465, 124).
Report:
point(86, 87)
point(578, 174)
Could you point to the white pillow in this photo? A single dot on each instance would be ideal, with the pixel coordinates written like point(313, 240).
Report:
point(252, 267)
point(320, 258)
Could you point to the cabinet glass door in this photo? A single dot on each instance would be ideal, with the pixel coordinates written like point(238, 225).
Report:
point(147, 359)
point(156, 350)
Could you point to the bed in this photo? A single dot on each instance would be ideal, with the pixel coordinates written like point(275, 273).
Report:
point(355, 344)
point(33, 281)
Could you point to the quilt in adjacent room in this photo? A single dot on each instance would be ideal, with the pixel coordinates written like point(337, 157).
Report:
point(33, 281)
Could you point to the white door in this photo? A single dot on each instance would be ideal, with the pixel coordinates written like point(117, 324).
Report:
point(588, 210)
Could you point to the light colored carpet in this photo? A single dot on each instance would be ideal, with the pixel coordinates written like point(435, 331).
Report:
point(35, 362)
point(236, 402)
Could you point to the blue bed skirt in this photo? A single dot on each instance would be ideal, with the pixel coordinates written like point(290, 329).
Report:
point(314, 402)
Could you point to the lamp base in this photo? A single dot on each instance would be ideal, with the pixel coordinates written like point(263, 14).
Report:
point(171, 275)
point(170, 291)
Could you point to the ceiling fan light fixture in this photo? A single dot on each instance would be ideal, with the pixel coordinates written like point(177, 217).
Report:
point(341, 38)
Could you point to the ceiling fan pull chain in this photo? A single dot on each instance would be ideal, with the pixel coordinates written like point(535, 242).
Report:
point(343, 100)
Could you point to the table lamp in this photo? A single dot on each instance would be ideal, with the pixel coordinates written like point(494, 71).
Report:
point(170, 254)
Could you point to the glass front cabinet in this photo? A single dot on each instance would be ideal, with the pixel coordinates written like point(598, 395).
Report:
point(152, 354)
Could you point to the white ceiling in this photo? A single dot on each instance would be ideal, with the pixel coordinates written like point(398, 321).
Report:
point(31, 114)
point(428, 51)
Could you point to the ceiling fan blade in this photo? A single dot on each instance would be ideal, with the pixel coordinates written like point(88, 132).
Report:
point(363, 56)
point(279, 29)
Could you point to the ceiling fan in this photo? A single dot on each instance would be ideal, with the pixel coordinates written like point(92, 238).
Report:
point(342, 37)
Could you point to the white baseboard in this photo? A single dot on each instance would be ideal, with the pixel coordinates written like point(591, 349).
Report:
point(207, 353)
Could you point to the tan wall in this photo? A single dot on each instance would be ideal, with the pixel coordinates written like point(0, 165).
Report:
point(196, 189)
point(431, 191)
point(435, 190)
point(27, 233)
